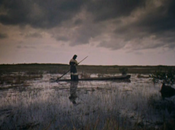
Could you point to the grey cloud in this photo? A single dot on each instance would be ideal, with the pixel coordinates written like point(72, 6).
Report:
point(61, 38)
point(138, 53)
point(160, 22)
point(162, 19)
point(25, 47)
point(113, 44)
point(167, 39)
point(151, 29)
point(2, 36)
point(85, 33)
point(78, 37)
point(19, 47)
point(78, 22)
point(110, 9)
point(38, 13)
point(33, 35)
point(47, 14)
point(15, 12)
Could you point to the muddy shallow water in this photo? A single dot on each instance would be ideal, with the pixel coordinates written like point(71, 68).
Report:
point(42, 104)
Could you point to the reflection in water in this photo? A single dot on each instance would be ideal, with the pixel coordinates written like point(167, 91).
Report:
point(45, 105)
point(73, 89)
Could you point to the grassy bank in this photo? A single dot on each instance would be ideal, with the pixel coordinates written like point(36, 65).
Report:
point(62, 68)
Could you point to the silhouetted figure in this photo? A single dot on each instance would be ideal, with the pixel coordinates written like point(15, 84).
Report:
point(167, 91)
point(73, 69)
point(73, 89)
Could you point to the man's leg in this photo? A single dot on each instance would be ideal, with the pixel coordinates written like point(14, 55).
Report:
point(74, 77)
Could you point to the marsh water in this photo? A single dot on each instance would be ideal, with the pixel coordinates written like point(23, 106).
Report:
point(41, 104)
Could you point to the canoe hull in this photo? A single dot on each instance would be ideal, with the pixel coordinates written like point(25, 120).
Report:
point(116, 78)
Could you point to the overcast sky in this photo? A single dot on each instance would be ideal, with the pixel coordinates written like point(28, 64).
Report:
point(109, 32)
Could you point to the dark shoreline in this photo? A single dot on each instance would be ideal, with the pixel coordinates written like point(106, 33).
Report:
point(62, 68)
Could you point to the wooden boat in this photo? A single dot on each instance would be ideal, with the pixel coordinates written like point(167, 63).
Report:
point(115, 78)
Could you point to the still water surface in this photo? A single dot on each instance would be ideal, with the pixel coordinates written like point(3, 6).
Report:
point(50, 105)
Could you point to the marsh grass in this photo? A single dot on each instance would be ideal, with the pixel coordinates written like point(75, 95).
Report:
point(168, 75)
point(99, 105)
point(62, 68)
point(18, 78)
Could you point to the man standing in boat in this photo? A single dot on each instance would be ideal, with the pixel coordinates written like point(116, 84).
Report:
point(73, 69)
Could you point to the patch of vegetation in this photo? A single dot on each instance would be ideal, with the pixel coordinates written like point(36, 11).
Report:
point(123, 70)
point(168, 75)
point(33, 68)
point(17, 79)
point(164, 108)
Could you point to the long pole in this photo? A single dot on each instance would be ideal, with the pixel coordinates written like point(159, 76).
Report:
point(82, 59)
point(69, 69)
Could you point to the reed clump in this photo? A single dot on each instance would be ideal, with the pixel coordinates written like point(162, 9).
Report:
point(168, 75)
point(17, 79)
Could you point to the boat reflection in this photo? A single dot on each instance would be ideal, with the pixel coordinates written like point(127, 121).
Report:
point(73, 94)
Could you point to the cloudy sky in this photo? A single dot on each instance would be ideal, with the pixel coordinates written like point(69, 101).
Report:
point(109, 32)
